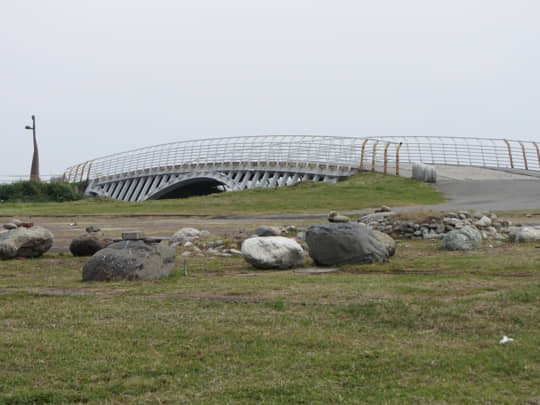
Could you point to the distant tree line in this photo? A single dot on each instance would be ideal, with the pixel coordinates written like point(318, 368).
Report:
point(36, 191)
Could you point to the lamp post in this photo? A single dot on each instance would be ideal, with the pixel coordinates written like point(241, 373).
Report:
point(34, 171)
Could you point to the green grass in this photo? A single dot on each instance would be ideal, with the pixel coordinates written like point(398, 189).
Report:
point(423, 328)
point(364, 190)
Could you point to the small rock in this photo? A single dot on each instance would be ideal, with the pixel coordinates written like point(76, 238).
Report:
point(137, 235)
point(267, 231)
point(184, 235)
point(10, 226)
point(333, 216)
point(466, 238)
point(213, 244)
point(93, 228)
point(483, 222)
point(525, 234)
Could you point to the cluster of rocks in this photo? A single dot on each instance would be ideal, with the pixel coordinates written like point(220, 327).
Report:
point(194, 242)
point(489, 225)
point(329, 244)
point(340, 241)
point(23, 239)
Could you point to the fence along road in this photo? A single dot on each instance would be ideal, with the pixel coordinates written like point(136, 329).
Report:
point(245, 162)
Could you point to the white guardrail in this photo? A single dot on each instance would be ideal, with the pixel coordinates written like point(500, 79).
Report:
point(385, 153)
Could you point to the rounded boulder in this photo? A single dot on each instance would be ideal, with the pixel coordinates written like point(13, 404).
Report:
point(130, 260)
point(272, 252)
point(466, 238)
point(88, 244)
point(25, 242)
point(342, 243)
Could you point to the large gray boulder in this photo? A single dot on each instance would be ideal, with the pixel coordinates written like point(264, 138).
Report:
point(25, 242)
point(466, 238)
point(525, 234)
point(130, 260)
point(340, 243)
point(272, 252)
point(88, 244)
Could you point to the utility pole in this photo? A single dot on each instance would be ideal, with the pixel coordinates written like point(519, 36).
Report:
point(34, 171)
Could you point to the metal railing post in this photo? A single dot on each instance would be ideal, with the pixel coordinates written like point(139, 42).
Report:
point(374, 156)
point(82, 171)
point(88, 171)
point(397, 158)
point(362, 154)
point(537, 153)
point(509, 153)
point(524, 156)
point(386, 157)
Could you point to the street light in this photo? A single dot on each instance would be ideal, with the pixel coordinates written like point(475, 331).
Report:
point(34, 171)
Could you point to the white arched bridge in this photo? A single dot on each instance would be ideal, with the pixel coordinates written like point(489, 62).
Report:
point(198, 166)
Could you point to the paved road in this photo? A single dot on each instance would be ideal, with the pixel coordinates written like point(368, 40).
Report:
point(482, 189)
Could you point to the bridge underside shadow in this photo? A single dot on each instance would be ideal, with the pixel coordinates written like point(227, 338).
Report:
point(191, 188)
point(142, 186)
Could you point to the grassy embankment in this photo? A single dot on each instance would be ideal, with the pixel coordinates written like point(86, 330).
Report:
point(423, 328)
point(361, 191)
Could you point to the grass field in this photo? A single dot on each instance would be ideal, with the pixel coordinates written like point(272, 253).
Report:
point(423, 328)
point(361, 191)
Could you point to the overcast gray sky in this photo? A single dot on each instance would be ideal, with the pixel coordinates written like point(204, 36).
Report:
point(104, 76)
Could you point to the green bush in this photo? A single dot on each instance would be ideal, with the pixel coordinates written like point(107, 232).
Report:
point(35, 191)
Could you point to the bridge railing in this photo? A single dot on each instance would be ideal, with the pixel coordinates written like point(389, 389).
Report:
point(383, 153)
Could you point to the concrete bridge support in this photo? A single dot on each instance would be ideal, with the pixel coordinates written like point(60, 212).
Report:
point(146, 186)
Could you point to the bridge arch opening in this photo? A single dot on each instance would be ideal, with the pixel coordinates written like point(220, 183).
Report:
point(190, 188)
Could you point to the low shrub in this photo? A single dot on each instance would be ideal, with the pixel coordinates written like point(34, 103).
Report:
point(35, 191)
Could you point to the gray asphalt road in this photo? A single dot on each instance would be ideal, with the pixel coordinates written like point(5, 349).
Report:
point(482, 189)
point(490, 194)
